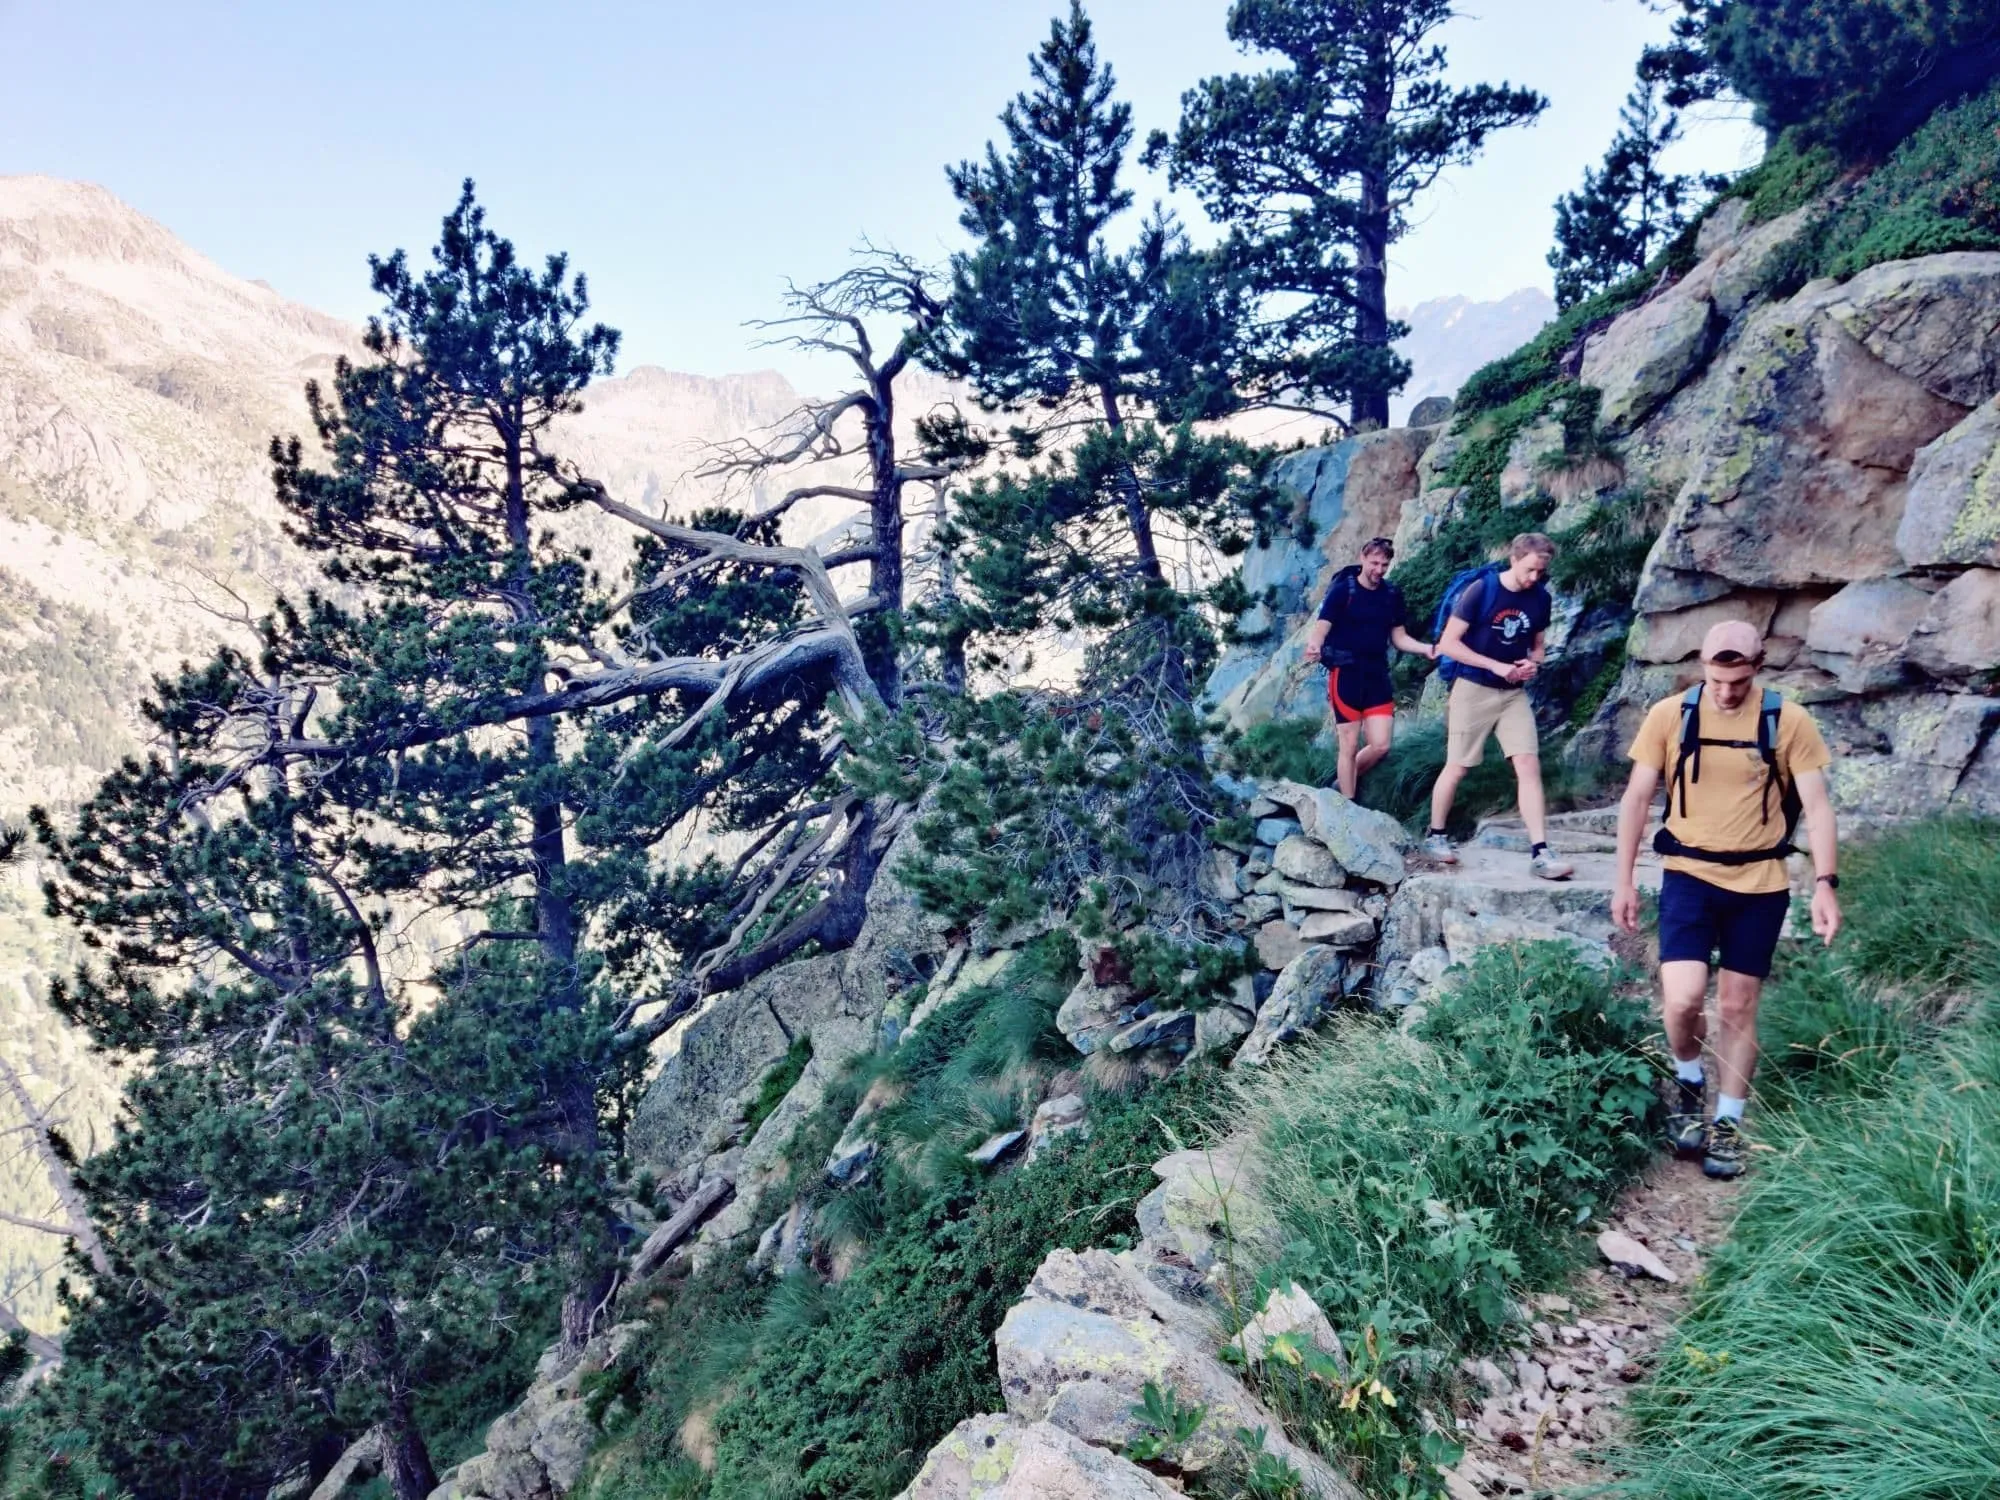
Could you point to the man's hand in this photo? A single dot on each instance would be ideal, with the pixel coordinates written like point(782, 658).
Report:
point(1825, 913)
point(1431, 651)
point(1520, 671)
point(1625, 908)
point(1311, 653)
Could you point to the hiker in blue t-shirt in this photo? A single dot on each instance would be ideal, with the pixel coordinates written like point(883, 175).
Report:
point(1498, 636)
point(1362, 614)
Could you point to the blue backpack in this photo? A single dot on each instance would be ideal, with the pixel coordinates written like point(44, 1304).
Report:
point(1485, 578)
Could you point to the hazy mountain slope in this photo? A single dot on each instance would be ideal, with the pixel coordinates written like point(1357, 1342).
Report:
point(1450, 337)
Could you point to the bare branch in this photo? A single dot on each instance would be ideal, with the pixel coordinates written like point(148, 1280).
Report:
point(79, 1228)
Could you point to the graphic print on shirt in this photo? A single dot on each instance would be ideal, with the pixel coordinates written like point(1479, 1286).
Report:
point(1512, 624)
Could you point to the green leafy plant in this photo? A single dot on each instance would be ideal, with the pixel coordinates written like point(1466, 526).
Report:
point(1167, 1426)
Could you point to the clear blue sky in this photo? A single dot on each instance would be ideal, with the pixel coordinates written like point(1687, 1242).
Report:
point(691, 156)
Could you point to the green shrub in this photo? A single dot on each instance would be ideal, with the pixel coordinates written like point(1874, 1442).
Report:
point(1287, 750)
point(1939, 191)
point(777, 1083)
point(1426, 1178)
point(1791, 175)
point(1922, 905)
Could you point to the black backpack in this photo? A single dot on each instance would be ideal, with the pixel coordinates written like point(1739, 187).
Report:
point(1766, 745)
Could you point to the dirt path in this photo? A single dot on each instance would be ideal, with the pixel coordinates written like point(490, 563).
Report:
point(1553, 1415)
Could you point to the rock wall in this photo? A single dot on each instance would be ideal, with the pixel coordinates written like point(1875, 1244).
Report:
point(1831, 460)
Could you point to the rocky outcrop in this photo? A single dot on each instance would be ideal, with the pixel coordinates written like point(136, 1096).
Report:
point(537, 1450)
point(1094, 1330)
point(1831, 456)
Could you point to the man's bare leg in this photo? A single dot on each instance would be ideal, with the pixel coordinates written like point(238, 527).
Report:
point(1736, 1040)
point(1443, 793)
point(1534, 806)
point(1683, 1006)
point(1379, 731)
point(1349, 736)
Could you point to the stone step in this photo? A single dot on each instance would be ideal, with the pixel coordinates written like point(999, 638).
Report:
point(1588, 831)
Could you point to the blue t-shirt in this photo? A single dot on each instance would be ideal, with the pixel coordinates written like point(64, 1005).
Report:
point(1505, 629)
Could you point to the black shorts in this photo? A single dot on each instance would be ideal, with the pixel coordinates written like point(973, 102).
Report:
point(1697, 918)
point(1357, 693)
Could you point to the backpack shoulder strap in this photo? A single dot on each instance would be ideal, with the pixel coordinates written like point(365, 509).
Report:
point(1767, 746)
point(1690, 747)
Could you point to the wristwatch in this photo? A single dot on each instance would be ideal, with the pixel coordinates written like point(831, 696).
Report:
point(1831, 882)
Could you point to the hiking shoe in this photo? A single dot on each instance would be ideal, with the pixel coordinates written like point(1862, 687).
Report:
point(1439, 846)
point(1724, 1154)
point(1687, 1132)
point(1548, 867)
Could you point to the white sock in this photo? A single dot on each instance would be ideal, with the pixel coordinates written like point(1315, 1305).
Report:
point(1728, 1107)
point(1689, 1072)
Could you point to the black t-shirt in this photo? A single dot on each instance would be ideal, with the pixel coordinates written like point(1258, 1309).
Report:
point(1362, 619)
point(1501, 624)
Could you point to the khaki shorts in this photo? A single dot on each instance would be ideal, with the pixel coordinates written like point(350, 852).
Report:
point(1475, 710)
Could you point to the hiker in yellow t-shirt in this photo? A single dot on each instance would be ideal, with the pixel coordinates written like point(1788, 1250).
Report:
point(1742, 766)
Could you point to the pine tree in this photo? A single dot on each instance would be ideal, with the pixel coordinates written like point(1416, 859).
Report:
point(1313, 167)
point(1628, 206)
point(354, 1163)
point(1094, 348)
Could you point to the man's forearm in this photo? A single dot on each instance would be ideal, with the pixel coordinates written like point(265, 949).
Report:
point(1632, 812)
point(1823, 837)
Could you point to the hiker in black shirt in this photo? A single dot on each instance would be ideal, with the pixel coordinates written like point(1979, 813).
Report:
point(1363, 613)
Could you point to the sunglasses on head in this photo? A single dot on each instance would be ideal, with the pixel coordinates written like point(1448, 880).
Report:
point(1736, 659)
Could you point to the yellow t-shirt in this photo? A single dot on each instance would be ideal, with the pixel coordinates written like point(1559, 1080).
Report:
point(1725, 808)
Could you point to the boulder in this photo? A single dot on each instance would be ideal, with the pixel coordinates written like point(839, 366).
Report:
point(1858, 634)
point(1093, 1013)
point(1173, 1029)
point(1800, 477)
point(993, 1148)
point(1648, 353)
point(1368, 844)
point(1318, 898)
point(1079, 1350)
point(1003, 1458)
point(1339, 929)
point(1055, 1118)
point(1951, 516)
point(1290, 1311)
point(1308, 862)
point(1275, 831)
point(1935, 320)
point(362, 1461)
point(1913, 752)
point(1209, 1210)
point(1218, 1027)
point(1278, 943)
point(1309, 985)
point(1959, 634)
point(1432, 411)
point(1676, 635)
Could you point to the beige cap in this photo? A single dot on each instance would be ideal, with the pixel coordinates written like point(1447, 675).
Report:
point(1739, 636)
